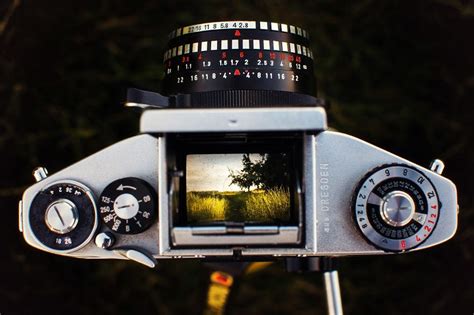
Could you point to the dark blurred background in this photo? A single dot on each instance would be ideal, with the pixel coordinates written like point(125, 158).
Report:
point(399, 74)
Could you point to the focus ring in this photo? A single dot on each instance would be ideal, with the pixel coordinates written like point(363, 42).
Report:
point(240, 56)
point(244, 98)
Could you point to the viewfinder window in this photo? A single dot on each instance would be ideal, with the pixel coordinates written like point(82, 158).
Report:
point(238, 187)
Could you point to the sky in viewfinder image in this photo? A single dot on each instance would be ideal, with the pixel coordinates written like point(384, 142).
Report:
point(210, 172)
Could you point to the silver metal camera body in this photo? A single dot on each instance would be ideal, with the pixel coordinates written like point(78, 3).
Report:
point(236, 162)
point(412, 208)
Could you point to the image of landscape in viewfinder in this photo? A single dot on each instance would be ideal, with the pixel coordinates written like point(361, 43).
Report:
point(238, 187)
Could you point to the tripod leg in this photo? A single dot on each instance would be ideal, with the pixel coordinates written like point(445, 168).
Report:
point(333, 293)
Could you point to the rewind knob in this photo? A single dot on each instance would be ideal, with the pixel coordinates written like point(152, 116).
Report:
point(63, 216)
point(396, 207)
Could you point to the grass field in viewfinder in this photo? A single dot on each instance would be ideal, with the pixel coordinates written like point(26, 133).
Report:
point(271, 205)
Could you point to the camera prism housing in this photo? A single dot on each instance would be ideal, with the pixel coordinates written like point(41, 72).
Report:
point(237, 162)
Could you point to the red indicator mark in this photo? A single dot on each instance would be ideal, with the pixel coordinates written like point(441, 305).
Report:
point(236, 72)
point(272, 55)
point(185, 59)
point(433, 207)
point(237, 33)
point(418, 238)
point(242, 54)
point(298, 59)
point(403, 244)
point(224, 55)
point(291, 57)
point(200, 56)
point(260, 55)
point(282, 56)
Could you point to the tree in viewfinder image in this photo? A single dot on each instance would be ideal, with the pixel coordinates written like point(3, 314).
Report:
point(263, 196)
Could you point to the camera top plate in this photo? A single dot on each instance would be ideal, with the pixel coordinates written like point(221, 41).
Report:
point(233, 120)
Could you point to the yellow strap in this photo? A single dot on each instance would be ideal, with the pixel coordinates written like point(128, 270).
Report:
point(220, 285)
point(218, 293)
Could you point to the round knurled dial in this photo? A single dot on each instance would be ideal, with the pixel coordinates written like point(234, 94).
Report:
point(396, 207)
point(128, 206)
point(63, 216)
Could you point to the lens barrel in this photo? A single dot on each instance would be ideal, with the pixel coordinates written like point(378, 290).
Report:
point(240, 64)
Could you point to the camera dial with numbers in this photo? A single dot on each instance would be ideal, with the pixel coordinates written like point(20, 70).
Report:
point(63, 216)
point(396, 207)
point(128, 206)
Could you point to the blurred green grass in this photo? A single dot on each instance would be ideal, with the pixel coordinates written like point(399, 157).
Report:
point(206, 206)
point(272, 205)
point(398, 74)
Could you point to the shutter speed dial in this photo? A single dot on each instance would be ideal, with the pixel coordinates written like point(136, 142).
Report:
point(128, 206)
point(396, 207)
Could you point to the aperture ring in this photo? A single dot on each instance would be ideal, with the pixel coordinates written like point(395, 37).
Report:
point(237, 44)
point(239, 55)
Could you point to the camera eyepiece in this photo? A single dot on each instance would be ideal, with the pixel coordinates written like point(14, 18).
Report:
point(240, 64)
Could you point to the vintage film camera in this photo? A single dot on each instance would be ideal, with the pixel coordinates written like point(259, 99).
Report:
point(236, 162)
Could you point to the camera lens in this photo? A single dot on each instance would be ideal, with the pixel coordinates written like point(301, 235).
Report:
point(240, 64)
